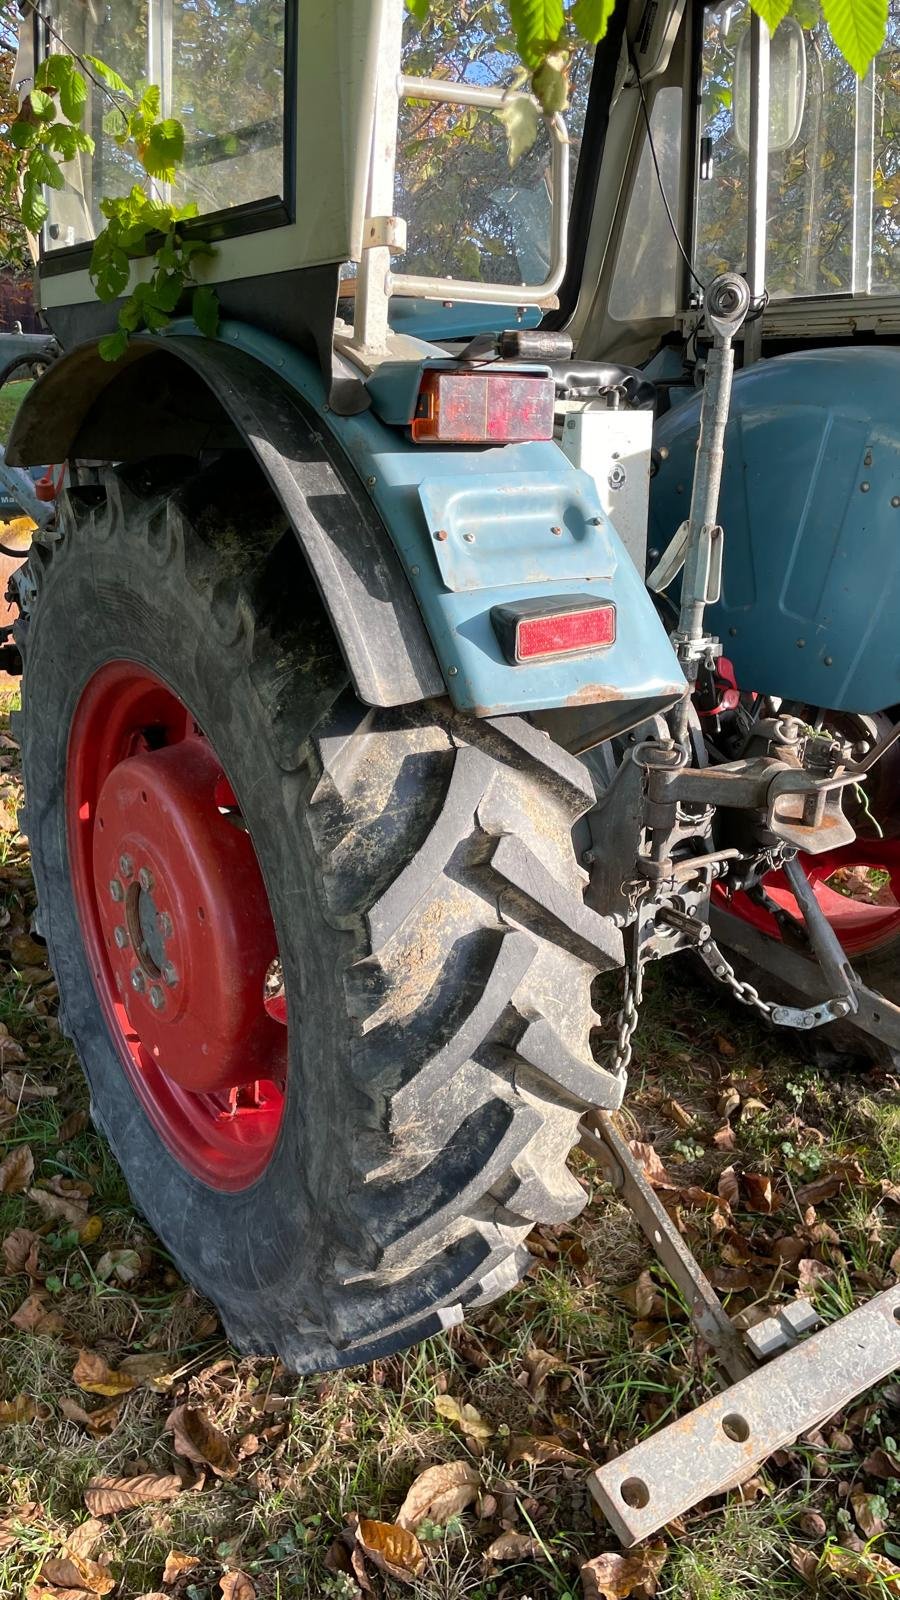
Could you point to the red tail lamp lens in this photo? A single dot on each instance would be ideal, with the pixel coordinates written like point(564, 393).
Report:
point(483, 408)
point(563, 634)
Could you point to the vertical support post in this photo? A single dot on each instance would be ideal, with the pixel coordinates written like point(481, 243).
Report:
point(863, 170)
point(370, 323)
point(759, 178)
point(159, 65)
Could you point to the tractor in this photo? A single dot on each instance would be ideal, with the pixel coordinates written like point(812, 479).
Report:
point(507, 594)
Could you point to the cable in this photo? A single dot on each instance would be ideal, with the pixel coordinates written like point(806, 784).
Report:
point(18, 555)
point(672, 224)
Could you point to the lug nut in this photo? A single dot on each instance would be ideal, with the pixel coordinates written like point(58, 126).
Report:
point(169, 975)
point(116, 890)
point(138, 982)
point(126, 866)
point(121, 938)
point(157, 998)
point(164, 923)
point(145, 879)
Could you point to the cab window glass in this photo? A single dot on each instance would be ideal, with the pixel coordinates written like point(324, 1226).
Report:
point(833, 218)
point(220, 65)
point(470, 213)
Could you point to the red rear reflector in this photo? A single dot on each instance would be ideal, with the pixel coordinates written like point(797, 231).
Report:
point(483, 408)
point(565, 633)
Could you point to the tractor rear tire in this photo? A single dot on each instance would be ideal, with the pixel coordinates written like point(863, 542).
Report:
point(438, 1035)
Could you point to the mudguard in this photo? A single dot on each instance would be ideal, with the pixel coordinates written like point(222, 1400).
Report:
point(811, 511)
point(412, 611)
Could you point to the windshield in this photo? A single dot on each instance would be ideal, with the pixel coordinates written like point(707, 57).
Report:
point(833, 214)
point(221, 69)
point(470, 212)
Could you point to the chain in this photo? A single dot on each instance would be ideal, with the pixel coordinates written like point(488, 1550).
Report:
point(628, 1018)
point(722, 969)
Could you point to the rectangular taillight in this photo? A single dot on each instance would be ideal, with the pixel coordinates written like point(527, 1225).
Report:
point(534, 630)
point(483, 407)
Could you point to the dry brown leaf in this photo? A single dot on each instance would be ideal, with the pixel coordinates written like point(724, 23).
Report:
point(16, 1170)
point(77, 1572)
point(198, 1439)
point(347, 1556)
point(177, 1561)
point(863, 1570)
point(725, 1046)
point(758, 1192)
point(439, 1493)
point(36, 1315)
point(84, 1539)
point(465, 1416)
point(881, 1465)
point(123, 1265)
point(515, 1547)
point(105, 1497)
point(679, 1114)
point(71, 1126)
point(723, 1138)
point(728, 1187)
point(812, 1524)
point(57, 1209)
point(648, 1158)
point(98, 1422)
point(20, 1250)
point(155, 1594)
point(18, 1088)
point(615, 1577)
point(27, 952)
point(810, 1274)
point(643, 1297)
point(236, 1586)
point(15, 1519)
point(393, 1550)
point(866, 1520)
point(21, 1409)
point(806, 1562)
point(94, 1374)
point(543, 1450)
point(148, 1366)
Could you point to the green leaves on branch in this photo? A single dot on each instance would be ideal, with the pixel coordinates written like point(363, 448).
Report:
point(858, 28)
point(140, 226)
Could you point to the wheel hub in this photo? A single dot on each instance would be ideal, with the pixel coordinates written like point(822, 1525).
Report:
point(185, 918)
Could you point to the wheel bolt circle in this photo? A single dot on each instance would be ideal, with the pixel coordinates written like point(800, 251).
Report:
point(138, 981)
point(126, 866)
point(121, 938)
point(169, 975)
point(157, 998)
point(145, 879)
point(116, 890)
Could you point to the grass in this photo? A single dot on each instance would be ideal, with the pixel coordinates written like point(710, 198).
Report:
point(576, 1352)
point(11, 397)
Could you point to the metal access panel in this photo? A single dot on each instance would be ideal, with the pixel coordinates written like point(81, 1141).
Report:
point(614, 447)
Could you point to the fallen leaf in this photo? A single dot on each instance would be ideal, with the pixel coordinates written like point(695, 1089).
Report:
point(864, 1570)
point(647, 1157)
point(723, 1138)
point(679, 1114)
point(21, 1409)
point(15, 1520)
point(236, 1586)
point(123, 1265)
point(881, 1465)
point(98, 1422)
point(758, 1192)
point(725, 1046)
point(812, 1524)
point(16, 1170)
point(543, 1450)
point(810, 1274)
point(393, 1550)
point(515, 1547)
point(57, 1209)
point(77, 1572)
point(71, 1126)
point(615, 1577)
point(20, 1250)
point(84, 1539)
point(105, 1497)
point(93, 1374)
point(347, 1556)
point(806, 1562)
point(198, 1439)
point(27, 952)
point(176, 1563)
point(867, 1521)
point(728, 1187)
point(439, 1493)
point(148, 1365)
point(465, 1416)
point(19, 1089)
point(810, 1194)
point(35, 1315)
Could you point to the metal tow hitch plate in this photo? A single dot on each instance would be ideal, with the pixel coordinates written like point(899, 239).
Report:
point(714, 1447)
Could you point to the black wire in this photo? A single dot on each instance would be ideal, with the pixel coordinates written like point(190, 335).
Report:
point(672, 224)
point(7, 550)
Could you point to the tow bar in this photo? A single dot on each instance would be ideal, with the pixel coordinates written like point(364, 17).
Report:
point(787, 1379)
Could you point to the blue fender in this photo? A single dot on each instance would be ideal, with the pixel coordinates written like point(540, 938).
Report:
point(518, 521)
point(811, 511)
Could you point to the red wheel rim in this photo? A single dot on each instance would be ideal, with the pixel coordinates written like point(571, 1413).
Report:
point(177, 925)
point(864, 911)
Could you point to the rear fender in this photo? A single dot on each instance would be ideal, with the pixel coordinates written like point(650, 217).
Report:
point(412, 612)
point(811, 511)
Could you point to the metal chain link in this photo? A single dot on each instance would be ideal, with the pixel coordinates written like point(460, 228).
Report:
point(628, 1018)
point(721, 968)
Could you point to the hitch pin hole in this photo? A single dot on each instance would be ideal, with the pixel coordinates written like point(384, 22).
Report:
point(635, 1493)
point(736, 1428)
